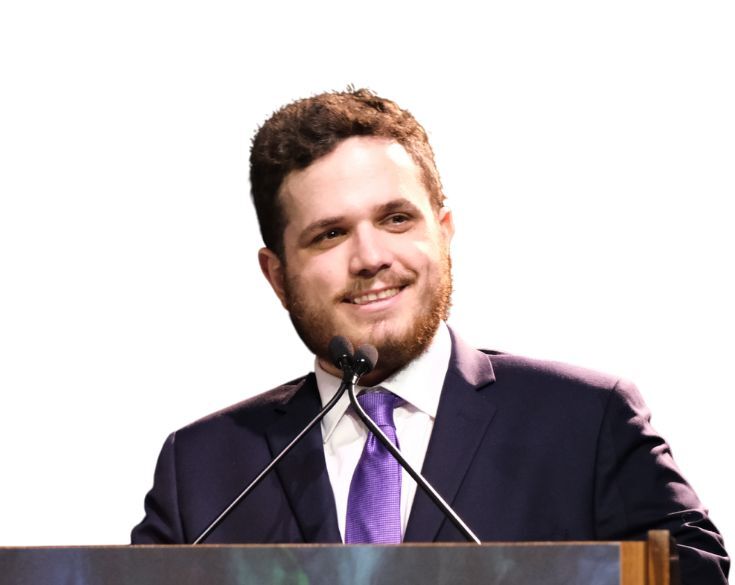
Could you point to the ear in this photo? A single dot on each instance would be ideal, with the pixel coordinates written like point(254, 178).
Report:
point(446, 223)
point(273, 270)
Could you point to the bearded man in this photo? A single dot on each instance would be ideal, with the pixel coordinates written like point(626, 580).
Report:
point(356, 234)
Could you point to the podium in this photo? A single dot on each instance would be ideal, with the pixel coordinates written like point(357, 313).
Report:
point(650, 562)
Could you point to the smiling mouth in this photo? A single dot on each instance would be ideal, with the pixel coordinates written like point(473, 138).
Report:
point(371, 297)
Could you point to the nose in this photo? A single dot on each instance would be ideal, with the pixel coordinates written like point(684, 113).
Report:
point(370, 252)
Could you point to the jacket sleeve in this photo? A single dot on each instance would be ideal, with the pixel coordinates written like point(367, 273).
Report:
point(162, 521)
point(639, 488)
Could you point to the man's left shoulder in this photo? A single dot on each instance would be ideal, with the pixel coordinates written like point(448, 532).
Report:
point(541, 379)
point(528, 368)
point(518, 373)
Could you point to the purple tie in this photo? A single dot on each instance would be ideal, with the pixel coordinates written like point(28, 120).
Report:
point(374, 502)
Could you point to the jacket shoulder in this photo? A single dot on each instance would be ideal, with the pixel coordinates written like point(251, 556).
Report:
point(526, 368)
point(256, 411)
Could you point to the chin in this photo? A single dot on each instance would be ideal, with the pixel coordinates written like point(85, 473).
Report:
point(383, 334)
point(397, 349)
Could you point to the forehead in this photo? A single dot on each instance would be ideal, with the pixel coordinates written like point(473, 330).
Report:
point(362, 172)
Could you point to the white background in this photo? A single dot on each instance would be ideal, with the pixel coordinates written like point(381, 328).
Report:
point(587, 149)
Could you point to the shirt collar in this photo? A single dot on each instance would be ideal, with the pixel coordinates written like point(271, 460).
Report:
point(419, 383)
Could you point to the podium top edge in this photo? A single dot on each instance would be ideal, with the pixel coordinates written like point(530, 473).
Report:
point(526, 544)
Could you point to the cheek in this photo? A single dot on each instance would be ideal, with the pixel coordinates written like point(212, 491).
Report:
point(423, 257)
point(321, 275)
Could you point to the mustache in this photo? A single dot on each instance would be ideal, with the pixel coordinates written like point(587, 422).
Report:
point(383, 281)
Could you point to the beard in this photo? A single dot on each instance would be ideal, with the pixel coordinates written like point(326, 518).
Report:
point(315, 323)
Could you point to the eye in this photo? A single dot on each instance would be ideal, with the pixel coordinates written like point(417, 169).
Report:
point(398, 221)
point(330, 234)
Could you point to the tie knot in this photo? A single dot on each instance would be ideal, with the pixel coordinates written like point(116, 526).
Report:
point(379, 406)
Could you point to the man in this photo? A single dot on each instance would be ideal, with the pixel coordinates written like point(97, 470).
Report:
point(357, 237)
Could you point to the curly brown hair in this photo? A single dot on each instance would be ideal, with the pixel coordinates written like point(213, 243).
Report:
point(310, 128)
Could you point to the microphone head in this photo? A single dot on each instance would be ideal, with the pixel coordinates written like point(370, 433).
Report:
point(340, 351)
point(366, 357)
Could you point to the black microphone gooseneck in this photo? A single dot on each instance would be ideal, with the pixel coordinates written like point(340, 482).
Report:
point(366, 357)
point(340, 350)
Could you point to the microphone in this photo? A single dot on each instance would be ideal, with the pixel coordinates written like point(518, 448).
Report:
point(366, 357)
point(340, 352)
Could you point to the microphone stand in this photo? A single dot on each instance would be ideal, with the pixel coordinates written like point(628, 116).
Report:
point(364, 362)
point(348, 380)
point(418, 478)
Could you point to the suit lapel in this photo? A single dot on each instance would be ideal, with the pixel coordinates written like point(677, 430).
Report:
point(303, 472)
point(462, 419)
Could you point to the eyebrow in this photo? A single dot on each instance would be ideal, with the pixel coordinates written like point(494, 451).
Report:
point(401, 204)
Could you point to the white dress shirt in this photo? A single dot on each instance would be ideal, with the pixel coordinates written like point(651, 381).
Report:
point(344, 435)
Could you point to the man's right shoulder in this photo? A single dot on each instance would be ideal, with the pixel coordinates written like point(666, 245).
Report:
point(257, 411)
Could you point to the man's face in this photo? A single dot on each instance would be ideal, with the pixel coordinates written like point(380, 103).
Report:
point(365, 254)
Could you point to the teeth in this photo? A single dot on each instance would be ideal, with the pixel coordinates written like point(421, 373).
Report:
point(370, 297)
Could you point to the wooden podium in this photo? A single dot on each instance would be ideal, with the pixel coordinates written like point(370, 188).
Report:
point(651, 562)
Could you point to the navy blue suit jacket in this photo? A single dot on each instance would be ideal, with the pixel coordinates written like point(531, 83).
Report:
point(522, 449)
